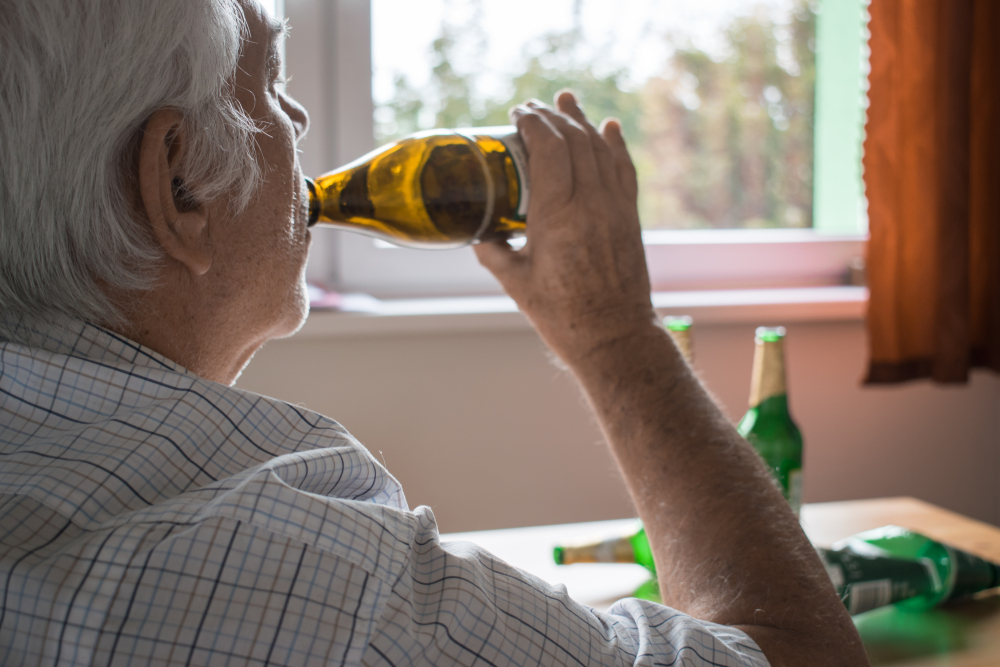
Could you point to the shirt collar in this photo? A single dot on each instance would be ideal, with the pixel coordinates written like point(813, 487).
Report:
point(75, 338)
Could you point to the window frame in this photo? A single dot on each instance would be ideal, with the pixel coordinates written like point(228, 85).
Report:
point(330, 62)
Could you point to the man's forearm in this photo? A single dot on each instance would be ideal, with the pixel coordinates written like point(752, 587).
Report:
point(727, 547)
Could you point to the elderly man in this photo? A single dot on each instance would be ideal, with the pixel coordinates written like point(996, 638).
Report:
point(153, 237)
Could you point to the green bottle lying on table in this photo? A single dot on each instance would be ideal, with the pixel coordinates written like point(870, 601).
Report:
point(893, 565)
point(888, 565)
point(631, 547)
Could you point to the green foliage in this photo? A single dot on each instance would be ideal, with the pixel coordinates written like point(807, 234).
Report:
point(550, 65)
point(728, 143)
point(718, 143)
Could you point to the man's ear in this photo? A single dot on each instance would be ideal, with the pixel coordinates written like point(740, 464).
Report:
point(178, 222)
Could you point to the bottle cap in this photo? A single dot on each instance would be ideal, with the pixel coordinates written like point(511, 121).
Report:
point(770, 334)
point(677, 322)
point(558, 555)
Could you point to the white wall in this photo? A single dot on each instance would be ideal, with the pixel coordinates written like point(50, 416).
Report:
point(484, 429)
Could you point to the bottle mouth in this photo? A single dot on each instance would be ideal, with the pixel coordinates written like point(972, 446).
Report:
point(313, 203)
point(770, 334)
point(677, 322)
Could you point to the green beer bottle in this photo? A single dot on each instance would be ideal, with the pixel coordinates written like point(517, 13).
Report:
point(679, 328)
point(893, 565)
point(767, 425)
point(888, 565)
point(630, 547)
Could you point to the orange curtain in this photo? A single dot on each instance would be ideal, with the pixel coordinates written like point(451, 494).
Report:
point(932, 177)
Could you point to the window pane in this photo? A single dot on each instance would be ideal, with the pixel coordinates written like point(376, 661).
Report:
point(716, 96)
point(273, 7)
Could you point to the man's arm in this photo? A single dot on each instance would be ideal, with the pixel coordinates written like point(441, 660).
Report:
point(728, 548)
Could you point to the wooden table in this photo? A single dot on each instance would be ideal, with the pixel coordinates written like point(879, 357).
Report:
point(965, 634)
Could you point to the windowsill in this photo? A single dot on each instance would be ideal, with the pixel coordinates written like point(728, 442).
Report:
point(399, 317)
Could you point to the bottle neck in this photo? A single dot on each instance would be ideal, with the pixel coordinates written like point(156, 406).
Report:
point(682, 339)
point(315, 205)
point(768, 376)
point(614, 550)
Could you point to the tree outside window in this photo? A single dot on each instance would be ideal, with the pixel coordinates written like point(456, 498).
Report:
point(722, 138)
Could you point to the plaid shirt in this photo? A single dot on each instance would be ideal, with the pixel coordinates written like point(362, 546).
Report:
point(148, 516)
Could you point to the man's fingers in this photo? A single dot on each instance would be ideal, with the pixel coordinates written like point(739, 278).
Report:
point(548, 156)
point(567, 103)
point(499, 259)
point(611, 130)
point(584, 163)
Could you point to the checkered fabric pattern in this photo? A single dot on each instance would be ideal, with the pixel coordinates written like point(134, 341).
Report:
point(150, 517)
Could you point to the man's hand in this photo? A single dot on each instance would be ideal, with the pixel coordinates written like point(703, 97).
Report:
point(727, 547)
point(581, 277)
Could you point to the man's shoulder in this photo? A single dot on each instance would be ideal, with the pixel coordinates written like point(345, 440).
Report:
point(101, 435)
point(231, 573)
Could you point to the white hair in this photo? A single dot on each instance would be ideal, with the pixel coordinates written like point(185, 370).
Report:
point(78, 81)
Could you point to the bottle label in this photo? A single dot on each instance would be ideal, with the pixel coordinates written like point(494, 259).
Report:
point(768, 375)
point(866, 582)
point(614, 550)
point(519, 156)
point(866, 595)
point(795, 490)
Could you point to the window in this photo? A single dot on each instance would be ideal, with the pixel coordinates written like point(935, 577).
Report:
point(273, 7)
point(718, 211)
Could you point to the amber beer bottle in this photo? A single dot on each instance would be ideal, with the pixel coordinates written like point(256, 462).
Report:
point(768, 425)
point(434, 189)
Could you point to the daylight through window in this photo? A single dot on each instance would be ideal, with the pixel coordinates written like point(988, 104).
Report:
point(716, 97)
